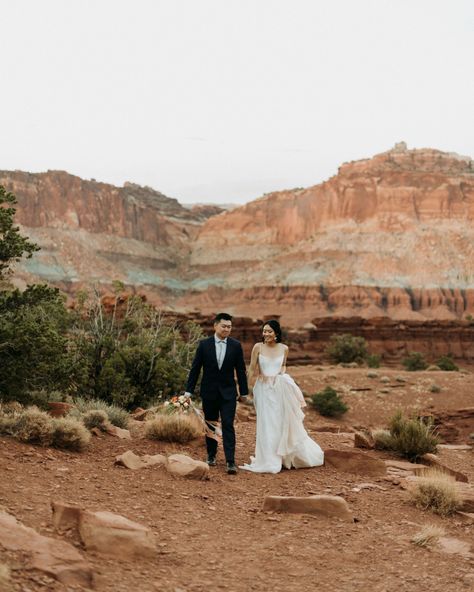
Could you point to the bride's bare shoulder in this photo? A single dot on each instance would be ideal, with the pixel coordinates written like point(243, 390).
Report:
point(257, 347)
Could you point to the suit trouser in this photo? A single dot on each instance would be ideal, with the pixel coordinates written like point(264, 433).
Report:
point(213, 407)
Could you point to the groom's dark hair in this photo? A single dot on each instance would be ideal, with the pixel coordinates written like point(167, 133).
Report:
point(222, 316)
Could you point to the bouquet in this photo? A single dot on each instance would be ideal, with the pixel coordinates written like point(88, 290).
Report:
point(177, 404)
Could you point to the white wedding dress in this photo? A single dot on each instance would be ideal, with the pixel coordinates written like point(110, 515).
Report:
point(281, 437)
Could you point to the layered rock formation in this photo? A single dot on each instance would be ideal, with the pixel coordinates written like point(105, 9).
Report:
point(93, 232)
point(391, 236)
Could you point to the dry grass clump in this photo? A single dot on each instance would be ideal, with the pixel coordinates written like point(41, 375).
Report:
point(173, 428)
point(117, 416)
point(428, 535)
point(436, 491)
point(70, 434)
point(382, 439)
point(96, 418)
point(33, 426)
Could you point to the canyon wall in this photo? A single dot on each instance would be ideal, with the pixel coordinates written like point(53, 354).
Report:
point(391, 236)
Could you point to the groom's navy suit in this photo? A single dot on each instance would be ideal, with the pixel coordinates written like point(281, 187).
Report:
point(218, 389)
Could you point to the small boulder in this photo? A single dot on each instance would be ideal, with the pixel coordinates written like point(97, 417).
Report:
point(115, 535)
point(118, 432)
point(57, 558)
point(185, 466)
point(331, 506)
point(363, 440)
point(65, 516)
point(132, 461)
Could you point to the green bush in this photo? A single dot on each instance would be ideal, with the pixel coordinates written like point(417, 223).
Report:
point(415, 361)
point(346, 348)
point(34, 352)
point(329, 403)
point(411, 438)
point(446, 363)
point(130, 354)
point(373, 361)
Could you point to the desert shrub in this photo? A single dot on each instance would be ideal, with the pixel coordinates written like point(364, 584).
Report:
point(428, 535)
point(328, 403)
point(95, 418)
point(69, 434)
point(11, 408)
point(446, 363)
point(382, 439)
point(415, 361)
point(116, 415)
point(6, 425)
point(33, 426)
point(346, 348)
point(173, 428)
point(434, 388)
point(437, 492)
point(412, 437)
point(129, 352)
point(373, 360)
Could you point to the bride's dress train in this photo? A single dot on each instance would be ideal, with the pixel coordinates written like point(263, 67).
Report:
point(281, 437)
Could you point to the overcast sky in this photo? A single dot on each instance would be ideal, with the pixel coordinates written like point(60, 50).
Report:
point(224, 100)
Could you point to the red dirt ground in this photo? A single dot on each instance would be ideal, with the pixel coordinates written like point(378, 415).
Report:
point(212, 535)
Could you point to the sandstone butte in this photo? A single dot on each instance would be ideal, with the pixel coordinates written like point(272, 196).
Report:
point(388, 237)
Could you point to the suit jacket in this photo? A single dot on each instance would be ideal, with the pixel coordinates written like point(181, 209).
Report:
point(214, 381)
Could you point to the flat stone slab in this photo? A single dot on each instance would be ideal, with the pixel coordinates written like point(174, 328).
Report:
point(330, 506)
point(355, 461)
point(433, 461)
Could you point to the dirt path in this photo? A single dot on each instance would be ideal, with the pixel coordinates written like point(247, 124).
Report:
point(212, 535)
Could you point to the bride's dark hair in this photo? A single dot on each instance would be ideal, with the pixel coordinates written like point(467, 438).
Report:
point(275, 325)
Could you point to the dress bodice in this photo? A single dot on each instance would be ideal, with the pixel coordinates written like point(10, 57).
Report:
point(270, 366)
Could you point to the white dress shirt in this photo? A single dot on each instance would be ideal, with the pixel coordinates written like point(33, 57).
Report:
point(221, 348)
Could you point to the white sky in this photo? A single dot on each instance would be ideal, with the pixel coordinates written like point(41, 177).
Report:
point(223, 100)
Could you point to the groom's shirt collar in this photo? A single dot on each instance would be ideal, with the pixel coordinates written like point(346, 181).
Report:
point(216, 339)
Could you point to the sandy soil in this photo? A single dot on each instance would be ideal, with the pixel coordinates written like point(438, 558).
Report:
point(212, 535)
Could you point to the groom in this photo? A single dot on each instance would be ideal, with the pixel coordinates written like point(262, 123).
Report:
point(220, 356)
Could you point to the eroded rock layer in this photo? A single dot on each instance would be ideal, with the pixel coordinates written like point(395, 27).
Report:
point(391, 236)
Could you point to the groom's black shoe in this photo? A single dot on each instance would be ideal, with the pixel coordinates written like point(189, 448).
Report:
point(231, 468)
point(211, 461)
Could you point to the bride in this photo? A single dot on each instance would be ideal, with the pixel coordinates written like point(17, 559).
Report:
point(281, 437)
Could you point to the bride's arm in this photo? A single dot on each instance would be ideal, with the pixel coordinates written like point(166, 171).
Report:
point(253, 369)
point(283, 366)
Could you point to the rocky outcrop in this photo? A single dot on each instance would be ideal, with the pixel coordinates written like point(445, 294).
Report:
point(57, 558)
point(391, 236)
